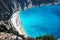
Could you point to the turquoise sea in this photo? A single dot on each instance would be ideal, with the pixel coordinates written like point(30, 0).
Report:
point(40, 21)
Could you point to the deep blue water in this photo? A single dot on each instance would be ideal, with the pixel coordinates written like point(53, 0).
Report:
point(40, 21)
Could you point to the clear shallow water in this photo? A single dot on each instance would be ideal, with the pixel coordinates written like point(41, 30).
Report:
point(39, 21)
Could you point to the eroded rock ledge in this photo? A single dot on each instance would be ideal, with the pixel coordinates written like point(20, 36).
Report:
point(9, 36)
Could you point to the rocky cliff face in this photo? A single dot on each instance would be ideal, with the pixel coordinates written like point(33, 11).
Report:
point(7, 9)
point(9, 36)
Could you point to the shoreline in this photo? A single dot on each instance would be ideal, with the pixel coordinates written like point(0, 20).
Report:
point(17, 24)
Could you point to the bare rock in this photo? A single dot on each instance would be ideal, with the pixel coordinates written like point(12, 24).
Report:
point(9, 36)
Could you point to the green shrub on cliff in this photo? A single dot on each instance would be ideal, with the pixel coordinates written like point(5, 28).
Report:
point(46, 37)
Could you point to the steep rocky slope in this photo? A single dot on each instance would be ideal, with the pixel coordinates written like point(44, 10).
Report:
point(7, 9)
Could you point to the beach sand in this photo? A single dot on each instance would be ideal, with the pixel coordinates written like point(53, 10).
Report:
point(17, 23)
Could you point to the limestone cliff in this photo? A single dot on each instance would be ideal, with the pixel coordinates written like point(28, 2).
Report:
point(9, 7)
